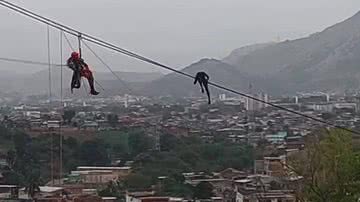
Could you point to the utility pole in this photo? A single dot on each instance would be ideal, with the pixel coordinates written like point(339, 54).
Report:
point(157, 139)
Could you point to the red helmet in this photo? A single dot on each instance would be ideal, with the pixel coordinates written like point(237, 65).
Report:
point(75, 55)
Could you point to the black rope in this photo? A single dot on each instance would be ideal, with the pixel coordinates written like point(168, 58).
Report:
point(79, 41)
point(28, 62)
point(62, 109)
point(49, 62)
point(68, 42)
point(64, 28)
point(110, 46)
point(61, 66)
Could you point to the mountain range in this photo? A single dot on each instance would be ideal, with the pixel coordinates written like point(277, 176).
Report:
point(37, 83)
point(325, 61)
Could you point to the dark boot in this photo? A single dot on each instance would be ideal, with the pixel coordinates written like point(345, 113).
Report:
point(92, 87)
point(207, 92)
point(93, 92)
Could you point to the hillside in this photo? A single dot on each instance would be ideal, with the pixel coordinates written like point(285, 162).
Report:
point(37, 83)
point(324, 61)
point(219, 72)
point(328, 60)
point(236, 54)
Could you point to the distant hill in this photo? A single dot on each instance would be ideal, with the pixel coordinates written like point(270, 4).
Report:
point(328, 60)
point(10, 80)
point(324, 61)
point(130, 76)
point(236, 54)
point(37, 83)
point(220, 72)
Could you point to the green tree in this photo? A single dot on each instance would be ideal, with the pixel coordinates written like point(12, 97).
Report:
point(189, 157)
point(68, 115)
point(32, 183)
point(172, 187)
point(5, 133)
point(71, 157)
point(25, 157)
point(113, 119)
point(203, 190)
point(120, 150)
point(212, 151)
point(94, 153)
point(23, 164)
point(12, 177)
point(113, 189)
point(11, 159)
point(22, 143)
point(137, 181)
point(139, 142)
point(329, 167)
point(71, 142)
point(168, 142)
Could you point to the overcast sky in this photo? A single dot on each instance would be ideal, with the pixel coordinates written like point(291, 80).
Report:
point(175, 32)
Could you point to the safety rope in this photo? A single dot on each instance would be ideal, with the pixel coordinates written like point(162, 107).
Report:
point(109, 68)
point(49, 61)
point(28, 62)
point(62, 110)
point(79, 41)
point(50, 102)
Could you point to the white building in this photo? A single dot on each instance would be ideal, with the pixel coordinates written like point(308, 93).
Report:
point(252, 105)
point(222, 97)
point(53, 124)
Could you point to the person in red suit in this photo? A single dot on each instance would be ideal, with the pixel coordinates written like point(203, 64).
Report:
point(80, 69)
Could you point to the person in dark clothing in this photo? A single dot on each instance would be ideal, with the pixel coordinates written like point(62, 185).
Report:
point(203, 80)
point(80, 69)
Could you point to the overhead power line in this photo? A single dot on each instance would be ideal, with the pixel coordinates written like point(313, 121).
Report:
point(113, 47)
point(28, 62)
point(68, 42)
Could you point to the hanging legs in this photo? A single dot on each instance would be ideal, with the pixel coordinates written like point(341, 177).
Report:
point(75, 81)
point(203, 80)
point(206, 86)
point(201, 86)
point(89, 76)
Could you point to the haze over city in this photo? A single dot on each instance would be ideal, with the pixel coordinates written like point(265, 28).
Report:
point(176, 32)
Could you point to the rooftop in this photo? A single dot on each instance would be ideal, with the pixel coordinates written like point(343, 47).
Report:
point(102, 168)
